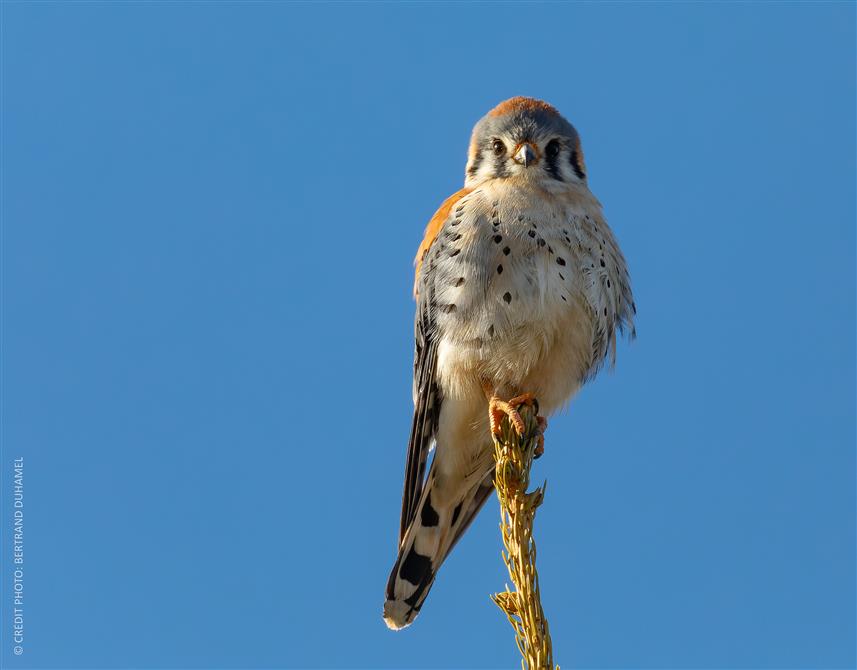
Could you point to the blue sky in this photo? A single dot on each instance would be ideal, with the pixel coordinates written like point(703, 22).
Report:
point(208, 221)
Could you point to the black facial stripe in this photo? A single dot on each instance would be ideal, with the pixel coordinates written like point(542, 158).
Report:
point(474, 167)
point(552, 166)
point(576, 166)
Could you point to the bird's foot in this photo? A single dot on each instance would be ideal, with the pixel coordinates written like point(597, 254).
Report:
point(498, 408)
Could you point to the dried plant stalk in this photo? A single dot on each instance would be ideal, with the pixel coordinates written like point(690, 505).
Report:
point(513, 455)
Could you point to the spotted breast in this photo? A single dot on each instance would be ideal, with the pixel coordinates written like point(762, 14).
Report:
point(525, 291)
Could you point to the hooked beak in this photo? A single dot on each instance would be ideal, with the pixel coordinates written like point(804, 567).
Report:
point(525, 155)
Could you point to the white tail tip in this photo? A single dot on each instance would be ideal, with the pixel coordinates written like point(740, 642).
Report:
point(398, 614)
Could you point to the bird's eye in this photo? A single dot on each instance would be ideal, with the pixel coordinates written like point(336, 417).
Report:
point(499, 147)
point(552, 149)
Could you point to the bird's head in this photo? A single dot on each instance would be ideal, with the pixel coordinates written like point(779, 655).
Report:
point(525, 138)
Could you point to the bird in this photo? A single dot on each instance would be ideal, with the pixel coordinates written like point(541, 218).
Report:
point(520, 290)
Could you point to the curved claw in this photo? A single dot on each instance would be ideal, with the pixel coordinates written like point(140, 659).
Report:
point(540, 445)
point(497, 409)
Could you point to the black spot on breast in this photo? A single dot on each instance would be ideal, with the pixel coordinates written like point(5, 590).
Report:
point(415, 568)
point(608, 283)
point(458, 282)
point(499, 269)
point(498, 239)
point(560, 276)
point(605, 311)
point(506, 251)
point(560, 260)
point(456, 512)
point(448, 309)
point(507, 297)
point(532, 233)
point(428, 516)
point(603, 264)
point(453, 237)
point(520, 217)
point(541, 242)
point(563, 298)
point(452, 254)
point(491, 330)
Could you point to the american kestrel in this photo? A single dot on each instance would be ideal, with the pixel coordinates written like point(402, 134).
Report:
point(520, 289)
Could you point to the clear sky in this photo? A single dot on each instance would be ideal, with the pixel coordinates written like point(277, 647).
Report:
point(209, 216)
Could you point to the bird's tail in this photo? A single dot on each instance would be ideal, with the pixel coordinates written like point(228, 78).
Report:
point(440, 521)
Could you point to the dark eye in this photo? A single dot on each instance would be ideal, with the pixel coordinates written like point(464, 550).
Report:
point(552, 149)
point(499, 147)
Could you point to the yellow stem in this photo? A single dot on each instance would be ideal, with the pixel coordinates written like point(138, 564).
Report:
point(513, 455)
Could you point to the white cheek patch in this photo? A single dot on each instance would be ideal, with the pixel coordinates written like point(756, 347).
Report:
point(566, 170)
point(486, 169)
